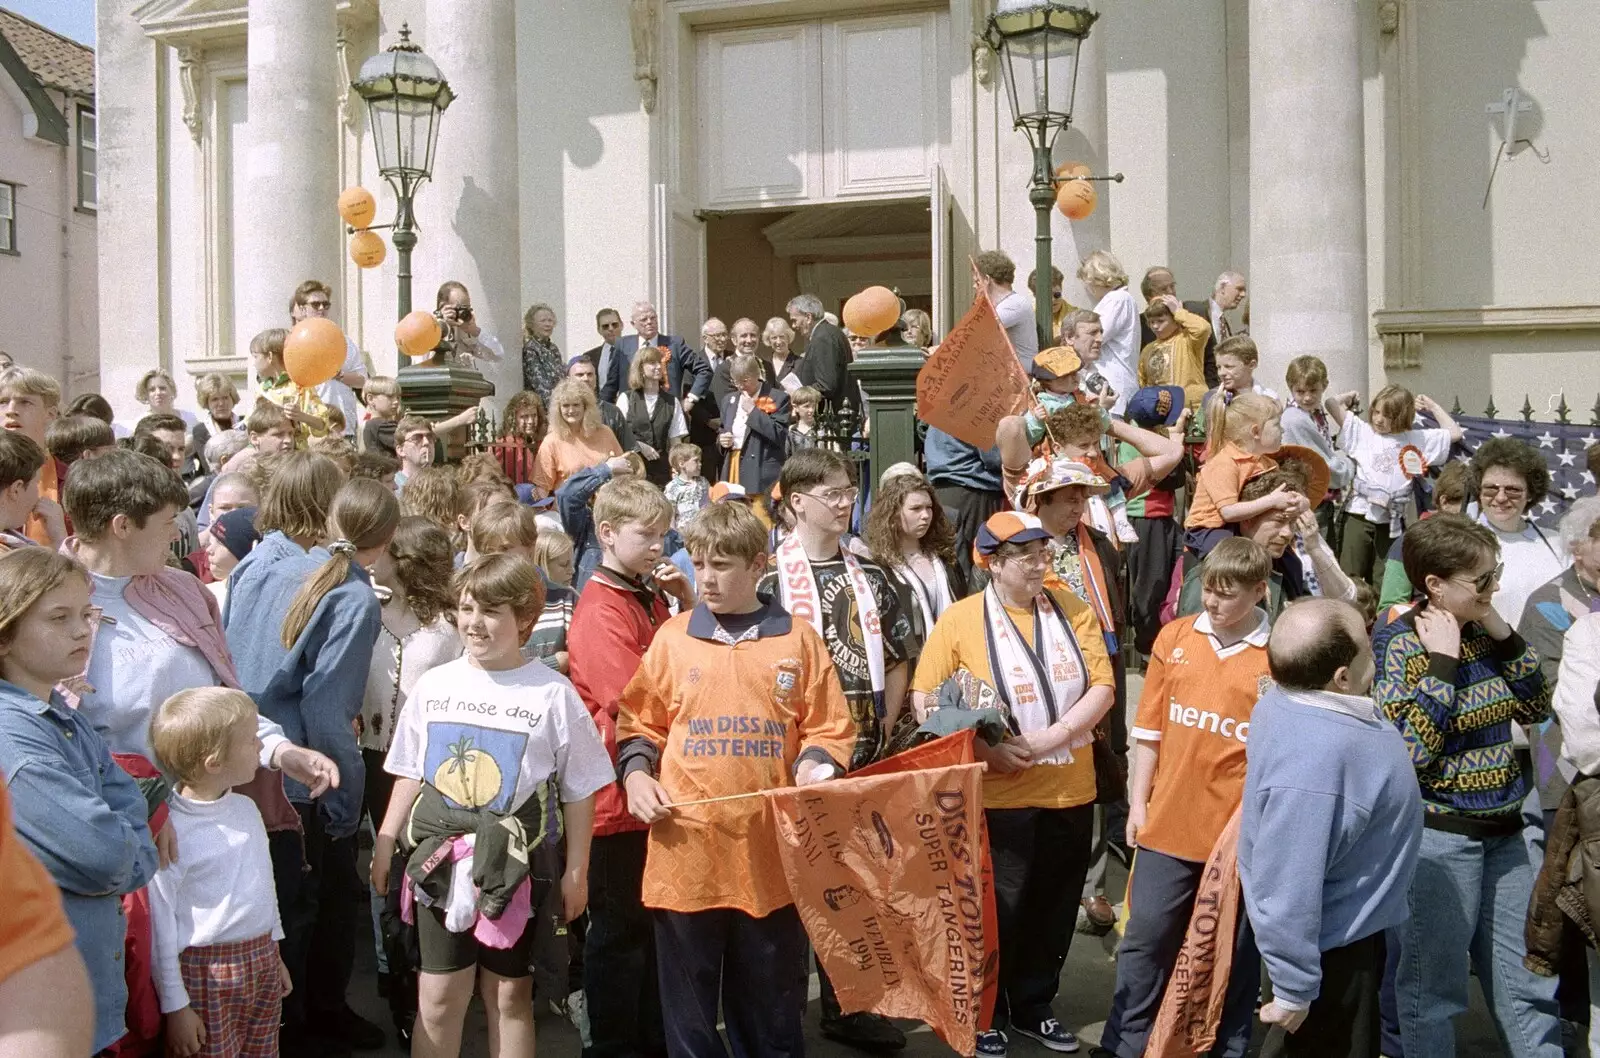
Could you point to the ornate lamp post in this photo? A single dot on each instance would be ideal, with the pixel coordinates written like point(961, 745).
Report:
point(1038, 42)
point(406, 97)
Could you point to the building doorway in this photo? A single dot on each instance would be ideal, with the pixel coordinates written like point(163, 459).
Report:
point(757, 260)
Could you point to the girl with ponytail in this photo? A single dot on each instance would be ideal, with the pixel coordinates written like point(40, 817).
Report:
point(1242, 435)
point(301, 621)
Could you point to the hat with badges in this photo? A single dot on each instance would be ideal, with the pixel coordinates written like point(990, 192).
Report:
point(1156, 406)
point(1045, 474)
point(1055, 363)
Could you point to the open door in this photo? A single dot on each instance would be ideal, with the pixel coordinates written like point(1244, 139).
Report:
point(939, 215)
point(680, 253)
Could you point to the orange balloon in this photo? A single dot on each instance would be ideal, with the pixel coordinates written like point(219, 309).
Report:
point(313, 352)
point(1075, 199)
point(417, 334)
point(367, 249)
point(872, 311)
point(357, 206)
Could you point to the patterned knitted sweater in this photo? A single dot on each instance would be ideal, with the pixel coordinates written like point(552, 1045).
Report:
point(1456, 714)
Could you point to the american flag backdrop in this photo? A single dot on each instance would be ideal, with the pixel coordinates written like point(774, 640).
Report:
point(1561, 444)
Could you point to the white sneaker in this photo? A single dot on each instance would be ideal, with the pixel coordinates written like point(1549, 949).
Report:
point(578, 1014)
point(1125, 530)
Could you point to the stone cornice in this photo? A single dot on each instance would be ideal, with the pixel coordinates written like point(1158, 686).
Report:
point(1493, 318)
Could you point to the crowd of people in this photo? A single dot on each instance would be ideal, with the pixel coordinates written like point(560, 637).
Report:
point(233, 637)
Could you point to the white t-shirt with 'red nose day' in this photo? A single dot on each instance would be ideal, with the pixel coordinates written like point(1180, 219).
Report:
point(488, 740)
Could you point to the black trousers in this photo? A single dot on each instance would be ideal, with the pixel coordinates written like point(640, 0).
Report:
point(1343, 1021)
point(1161, 893)
point(619, 953)
point(756, 967)
point(967, 509)
point(1150, 564)
point(322, 917)
point(1040, 857)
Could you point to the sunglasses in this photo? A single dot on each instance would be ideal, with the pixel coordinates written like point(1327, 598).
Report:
point(1487, 580)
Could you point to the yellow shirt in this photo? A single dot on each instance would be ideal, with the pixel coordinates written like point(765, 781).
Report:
point(1179, 360)
point(959, 641)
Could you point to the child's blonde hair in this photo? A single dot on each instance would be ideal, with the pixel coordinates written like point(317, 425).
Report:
point(681, 453)
point(1233, 420)
point(551, 548)
point(1305, 371)
point(502, 580)
point(269, 343)
point(1242, 346)
point(727, 530)
point(806, 395)
point(337, 447)
point(299, 495)
point(1398, 406)
point(334, 420)
point(381, 386)
point(503, 525)
point(1237, 562)
point(434, 494)
point(33, 383)
point(193, 727)
point(631, 500)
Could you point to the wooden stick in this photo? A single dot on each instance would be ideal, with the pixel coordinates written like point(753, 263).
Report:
point(715, 800)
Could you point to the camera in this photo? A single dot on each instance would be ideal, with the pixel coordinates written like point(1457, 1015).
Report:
point(447, 334)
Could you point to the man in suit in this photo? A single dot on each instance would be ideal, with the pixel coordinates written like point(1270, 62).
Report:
point(827, 353)
point(610, 415)
point(688, 374)
point(1226, 295)
point(605, 356)
point(705, 421)
point(755, 428)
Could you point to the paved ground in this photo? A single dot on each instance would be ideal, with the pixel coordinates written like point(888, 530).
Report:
point(1087, 982)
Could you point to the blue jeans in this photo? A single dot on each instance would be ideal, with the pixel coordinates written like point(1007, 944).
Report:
point(1468, 902)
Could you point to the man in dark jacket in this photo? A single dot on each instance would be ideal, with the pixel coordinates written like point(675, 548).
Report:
point(755, 424)
point(827, 356)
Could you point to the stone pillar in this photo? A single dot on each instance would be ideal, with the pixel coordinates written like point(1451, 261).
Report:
point(292, 232)
point(468, 216)
point(1308, 232)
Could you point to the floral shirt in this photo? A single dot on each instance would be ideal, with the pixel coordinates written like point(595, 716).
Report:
point(542, 367)
point(283, 392)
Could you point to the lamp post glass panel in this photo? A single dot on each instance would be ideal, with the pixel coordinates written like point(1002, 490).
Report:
point(406, 96)
point(1037, 42)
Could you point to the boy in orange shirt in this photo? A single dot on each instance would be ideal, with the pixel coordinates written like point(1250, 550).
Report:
point(733, 697)
point(1204, 677)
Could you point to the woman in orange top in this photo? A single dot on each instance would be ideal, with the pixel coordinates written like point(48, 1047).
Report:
point(577, 440)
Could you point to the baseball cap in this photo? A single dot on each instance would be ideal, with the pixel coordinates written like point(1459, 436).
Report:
point(1056, 362)
point(1156, 406)
point(236, 531)
point(728, 490)
point(1009, 527)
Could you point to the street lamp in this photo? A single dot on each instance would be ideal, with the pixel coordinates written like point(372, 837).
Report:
point(406, 96)
point(1038, 42)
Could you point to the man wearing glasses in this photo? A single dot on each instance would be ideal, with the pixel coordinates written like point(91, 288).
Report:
point(851, 602)
point(314, 298)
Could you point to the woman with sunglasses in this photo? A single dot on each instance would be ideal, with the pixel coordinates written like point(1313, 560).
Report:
point(1453, 677)
point(1511, 479)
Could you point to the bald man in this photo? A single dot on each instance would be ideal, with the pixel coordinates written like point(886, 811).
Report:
point(1332, 823)
point(716, 349)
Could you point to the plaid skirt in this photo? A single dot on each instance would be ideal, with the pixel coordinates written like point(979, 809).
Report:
point(236, 990)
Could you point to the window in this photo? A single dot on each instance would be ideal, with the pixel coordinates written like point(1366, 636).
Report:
point(8, 218)
point(88, 140)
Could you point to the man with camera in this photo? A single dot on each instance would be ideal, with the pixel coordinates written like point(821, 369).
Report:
point(463, 342)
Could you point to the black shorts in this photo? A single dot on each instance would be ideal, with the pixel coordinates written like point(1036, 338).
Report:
point(444, 952)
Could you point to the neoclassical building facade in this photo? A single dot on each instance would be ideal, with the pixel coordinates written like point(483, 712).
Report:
point(1409, 186)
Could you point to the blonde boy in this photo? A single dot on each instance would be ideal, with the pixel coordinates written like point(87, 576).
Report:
point(29, 401)
point(711, 877)
point(304, 408)
point(382, 395)
point(1237, 358)
point(688, 490)
point(214, 917)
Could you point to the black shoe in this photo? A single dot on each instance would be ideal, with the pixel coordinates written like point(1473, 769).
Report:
point(870, 1032)
point(349, 1028)
point(1101, 1052)
point(301, 1043)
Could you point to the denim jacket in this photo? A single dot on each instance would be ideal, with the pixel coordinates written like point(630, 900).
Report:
point(86, 821)
point(315, 688)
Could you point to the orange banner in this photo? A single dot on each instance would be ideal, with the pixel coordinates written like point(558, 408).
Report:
point(1191, 1009)
point(889, 871)
point(973, 380)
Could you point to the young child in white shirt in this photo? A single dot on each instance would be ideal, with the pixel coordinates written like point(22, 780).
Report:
point(1389, 455)
point(214, 914)
point(688, 491)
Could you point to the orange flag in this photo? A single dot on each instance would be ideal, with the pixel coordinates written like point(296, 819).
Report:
point(974, 379)
point(889, 871)
point(1191, 1010)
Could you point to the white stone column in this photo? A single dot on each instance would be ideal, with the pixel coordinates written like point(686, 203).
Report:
point(292, 232)
point(1308, 244)
point(468, 216)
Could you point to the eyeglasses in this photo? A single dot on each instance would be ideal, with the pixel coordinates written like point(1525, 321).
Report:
point(1510, 492)
point(320, 306)
point(1488, 580)
point(834, 497)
